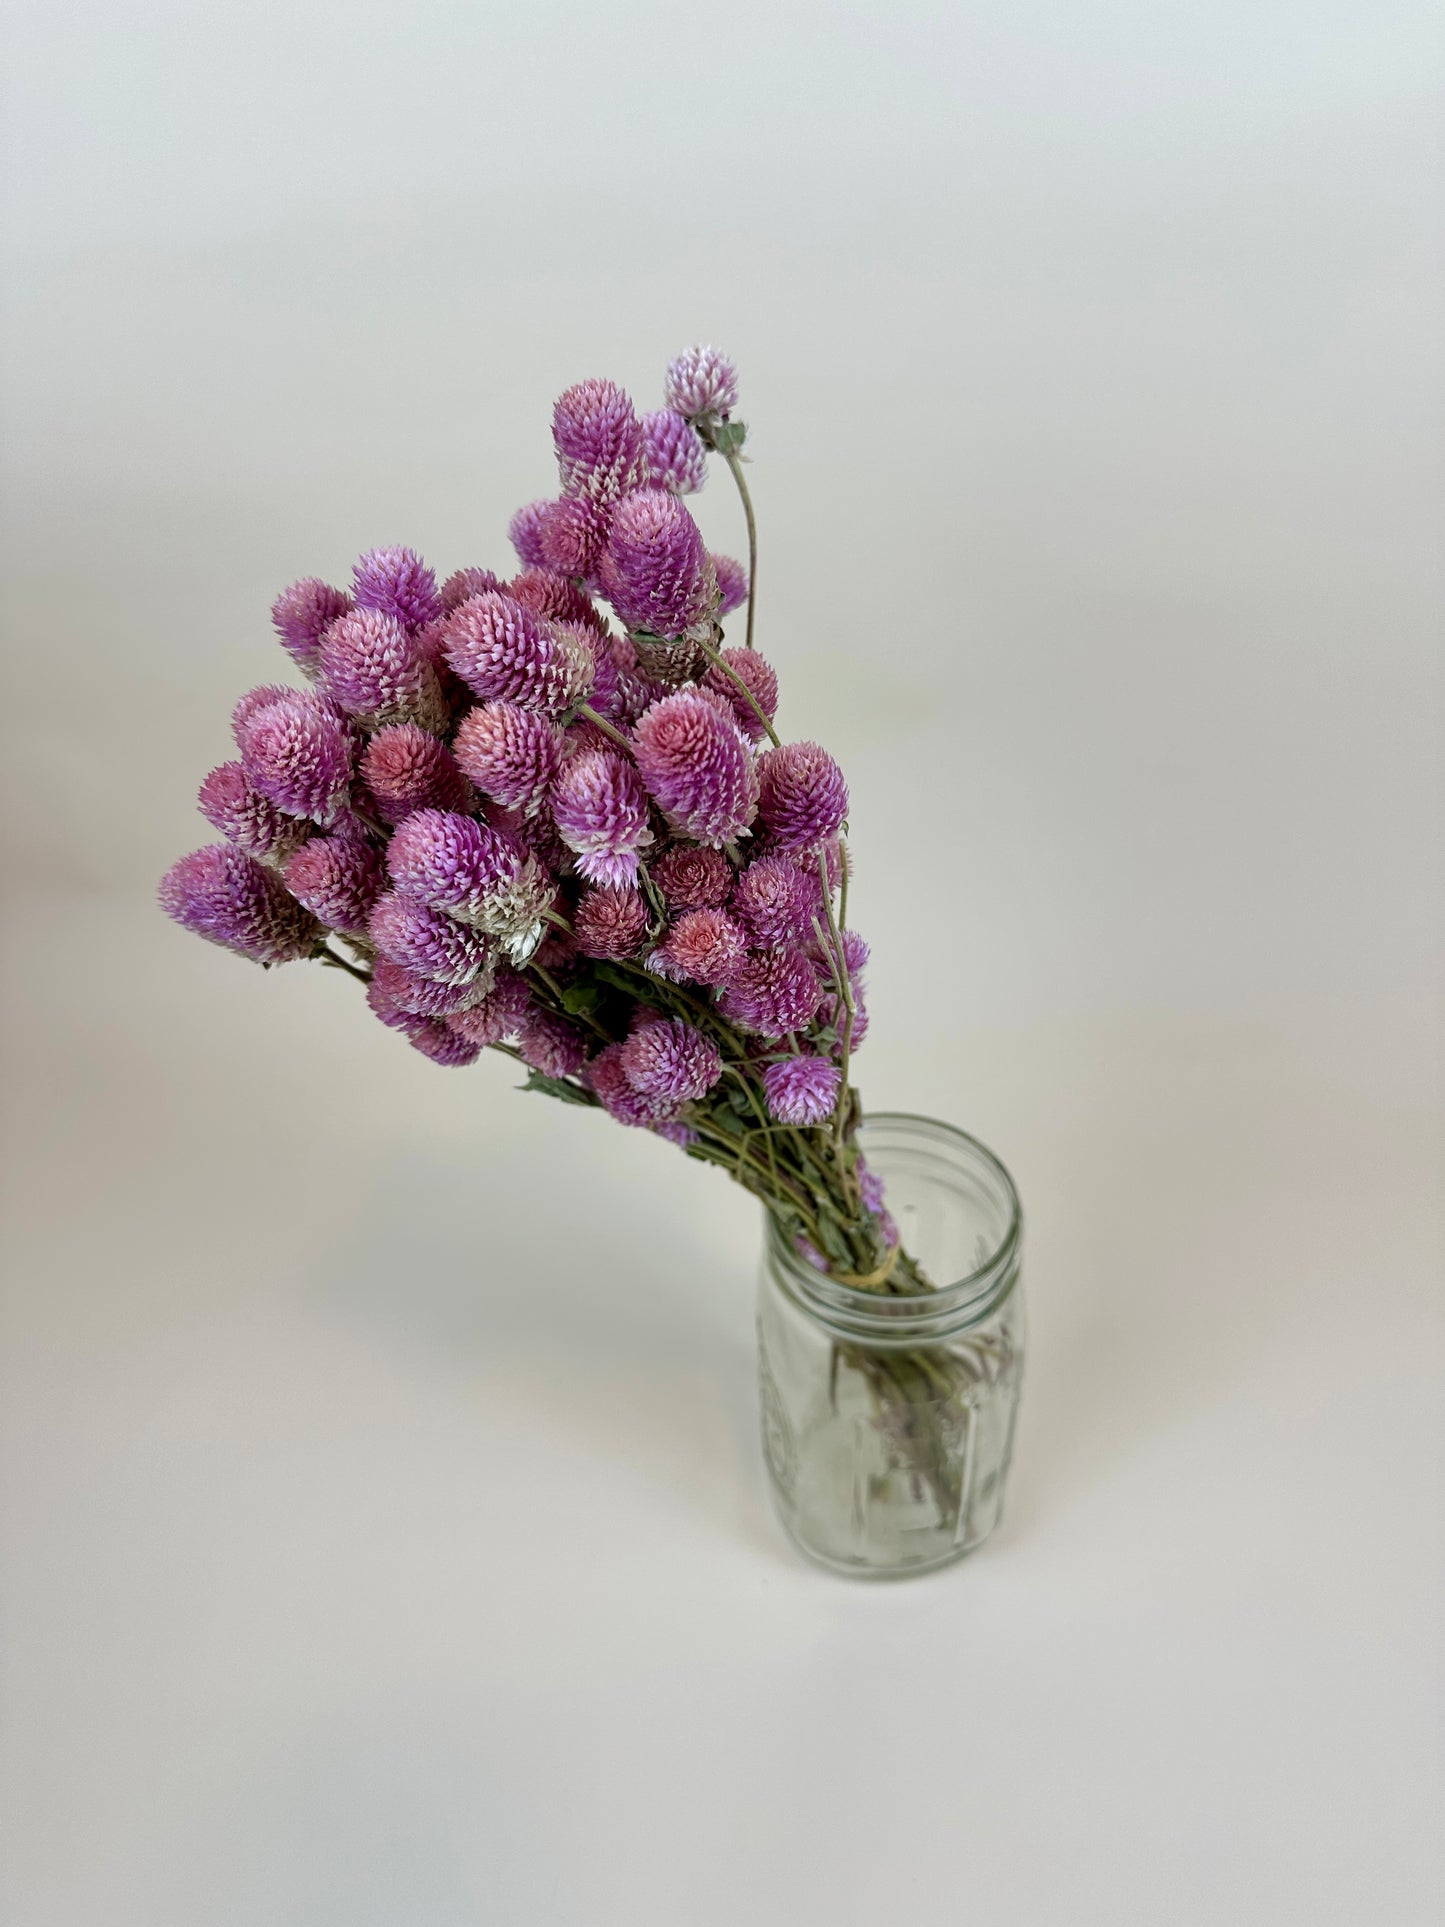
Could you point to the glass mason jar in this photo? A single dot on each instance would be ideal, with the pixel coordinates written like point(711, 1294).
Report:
point(888, 1420)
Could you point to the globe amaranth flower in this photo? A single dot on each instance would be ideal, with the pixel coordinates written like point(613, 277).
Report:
point(422, 996)
point(511, 754)
point(298, 757)
point(870, 1186)
point(600, 809)
point(697, 764)
point(732, 584)
point(673, 452)
point(427, 941)
point(497, 1016)
point(855, 953)
point(379, 672)
point(453, 862)
point(759, 680)
point(505, 652)
point(606, 1077)
point(702, 381)
point(407, 768)
point(550, 1044)
point(553, 596)
point(571, 534)
point(229, 898)
point(598, 439)
point(231, 803)
point(524, 532)
point(670, 1063)
point(609, 923)
point(693, 878)
point(801, 1090)
point(656, 571)
point(802, 797)
point(338, 878)
point(775, 901)
point(773, 992)
point(397, 583)
point(433, 1039)
point(462, 584)
point(302, 614)
point(702, 947)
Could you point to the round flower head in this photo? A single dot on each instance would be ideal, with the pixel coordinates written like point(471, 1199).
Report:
point(379, 671)
point(775, 901)
point(426, 941)
point(674, 452)
point(298, 757)
point(870, 1185)
point(801, 1090)
point(609, 923)
point(571, 535)
point(635, 688)
point(802, 797)
point(697, 765)
point(600, 809)
point(732, 584)
point(338, 878)
point(231, 803)
point(421, 996)
point(316, 700)
point(407, 768)
point(511, 754)
point(396, 582)
point(498, 1015)
point(703, 946)
point(524, 531)
point(855, 954)
point(550, 1044)
point(773, 992)
point(693, 879)
point(452, 862)
point(505, 652)
point(462, 584)
point(833, 1012)
point(434, 1040)
point(657, 573)
point(702, 381)
point(229, 898)
point(606, 696)
point(302, 614)
point(761, 682)
point(598, 440)
point(553, 596)
point(617, 1095)
point(669, 1062)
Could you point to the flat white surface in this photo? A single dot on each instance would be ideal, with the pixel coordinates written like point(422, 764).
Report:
point(385, 1533)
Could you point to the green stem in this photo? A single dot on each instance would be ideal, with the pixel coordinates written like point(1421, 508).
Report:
point(734, 462)
point(608, 729)
point(727, 669)
point(327, 956)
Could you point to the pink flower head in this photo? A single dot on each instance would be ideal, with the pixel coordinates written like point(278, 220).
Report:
point(832, 1011)
point(421, 996)
point(261, 698)
point(505, 652)
point(498, 1015)
point(598, 440)
point(426, 941)
point(732, 583)
point(855, 953)
point(761, 682)
point(691, 878)
point(773, 992)
point(299, 757)
point(229, 898)
point(571, 534)
point(801, 1090)
point(674, 452)
point(606, 696)
point(379, 671)
point(525, 534)
point(657, 573)
point(600, 809)
point(231, 803)
point(407, 768)
point(397, 583)
point(338, 878)
point(452, 862)
point(462, 584)
point(303, 613)
point(550, 1044)
point(617, 1095)
point(553, 596)
point(871, 1187)
point(775, 901)
point(511, 754)
point(697, 765)
point(802, 796)
point(670, 1063)
point(434, 1040)
point(703, 946)
point(702, 381)
point(609, 923)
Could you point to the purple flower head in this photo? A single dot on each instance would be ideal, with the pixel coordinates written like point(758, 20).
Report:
point(732, 583)
point(702, 381)
point(452, 862)
point(609, 923)
point(773, 992)
point(676, 1132)
point(855, 953)
point(426, 941)
point(617, 1095)
point(261, 698)
point(338, 878)
point(775, 901)
point(303, 613)
point(703, 946)
point(421, 996)
point(571, 534)
point(229, 898)
point(462, 584)
point(801, 1090)
point(693, 879)
point(378, 671)
point(598, 440)
point(231, 803)
point(525, 534)
point(761, 682)
point(407, 768)
point(550, 1044)
point(600, 809)
point(870, 1185)
point(802, 796)
point(511, 754)
point(674, 452)
point(397, 583)
point(657, 573)
point(434, 1040)
point(606, 697)
point(697, 765)
point(505, 652)
point(299, 757)
point(832, 1012)
point(498, 1015)
point(551, 595)
point(670, 1063)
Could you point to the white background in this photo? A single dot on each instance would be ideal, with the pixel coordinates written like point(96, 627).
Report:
point(385, 1535)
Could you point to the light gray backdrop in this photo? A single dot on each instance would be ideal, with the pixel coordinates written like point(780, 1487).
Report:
point(385, 1535)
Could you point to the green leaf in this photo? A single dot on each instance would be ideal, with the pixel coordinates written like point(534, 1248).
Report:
point(556, 1087)
point(581, 997)
point(728, 437)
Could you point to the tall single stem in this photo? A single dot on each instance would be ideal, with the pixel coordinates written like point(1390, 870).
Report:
point(734, 462)
point(720, 662)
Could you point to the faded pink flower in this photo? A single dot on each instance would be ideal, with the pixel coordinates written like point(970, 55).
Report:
point(696, 763)
point(379, 671)
point(674, 452)
point(505, 652)
point(670, 1063)
point(702, 381)
point(774, 992)
point(691, 878)
point(397, 583)
point(656, 572)
point(230, 801)
point(600, 808)
point(299, 757)
point(301, 616)
point(462, 584)
point(609, 923)
point(427, 941)
point(761, 682)
point(498, 1015)
point(703, 946)
point(511, 754)
point(801, 1090)
point(230, 899)
point(803, 798)
point(338, 878)
point(775, 901)
point(407, 768)
point(598, 440)
point(550, 1044)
